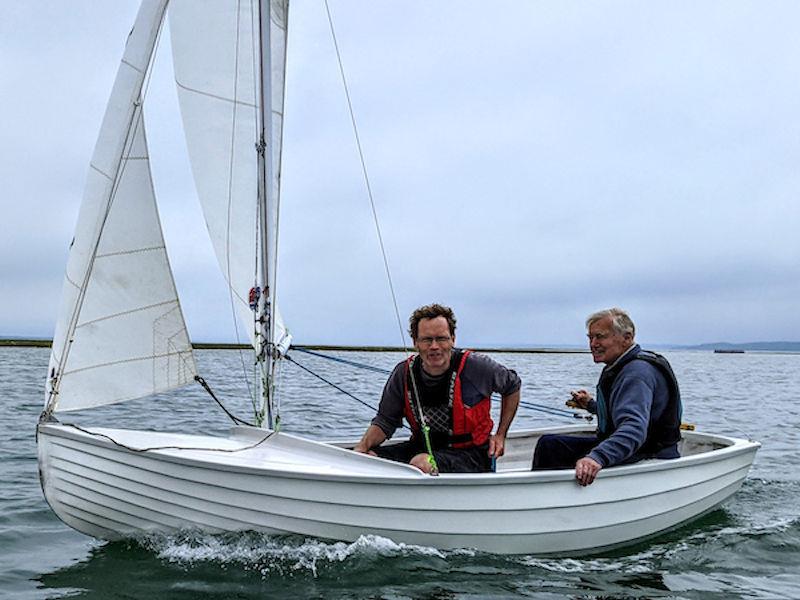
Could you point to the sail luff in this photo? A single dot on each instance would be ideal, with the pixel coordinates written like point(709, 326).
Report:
point(279, 37)
point(273, 40)
point(265, 202)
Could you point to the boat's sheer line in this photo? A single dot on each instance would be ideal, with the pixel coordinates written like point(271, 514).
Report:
point(105, 436)
point(100, 452)
point(406, 481)
point(213, 96)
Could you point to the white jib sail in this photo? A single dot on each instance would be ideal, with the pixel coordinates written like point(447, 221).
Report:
point(120, 332)
point(216, 57)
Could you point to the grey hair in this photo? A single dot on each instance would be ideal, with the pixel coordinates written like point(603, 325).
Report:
point(620, 320)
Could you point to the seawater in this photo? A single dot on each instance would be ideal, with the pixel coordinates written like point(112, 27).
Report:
point(750, 548)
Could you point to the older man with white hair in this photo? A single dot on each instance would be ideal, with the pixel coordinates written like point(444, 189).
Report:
point(638, 405)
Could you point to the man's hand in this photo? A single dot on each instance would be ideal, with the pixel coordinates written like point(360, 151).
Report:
point(580, 399)
point(497, 445)
point(374, 436)
point(586, 469)
point(362, 448)
point(423, 463)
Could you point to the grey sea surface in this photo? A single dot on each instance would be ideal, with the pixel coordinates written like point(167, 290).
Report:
point(749, 548)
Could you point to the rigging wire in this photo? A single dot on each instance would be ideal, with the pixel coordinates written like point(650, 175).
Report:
point(352, 363)
point(366, 179)
point(234, 318)
point(330, 383)
point(551, 410)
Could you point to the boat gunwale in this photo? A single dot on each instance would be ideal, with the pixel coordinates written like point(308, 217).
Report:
point(734, 447)
point(639, 497)
point(385, 530)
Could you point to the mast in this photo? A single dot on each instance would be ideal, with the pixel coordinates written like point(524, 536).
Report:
point(264, 319)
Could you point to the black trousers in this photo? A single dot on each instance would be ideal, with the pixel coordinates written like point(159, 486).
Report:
point(554, 451)
point(449, 460)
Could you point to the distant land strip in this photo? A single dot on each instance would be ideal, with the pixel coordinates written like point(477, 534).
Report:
point(43, 343)
point(722, 347)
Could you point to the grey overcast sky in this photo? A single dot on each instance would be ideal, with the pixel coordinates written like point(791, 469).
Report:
point(530, 161)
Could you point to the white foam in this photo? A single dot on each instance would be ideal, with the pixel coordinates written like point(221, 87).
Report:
point(276, 554)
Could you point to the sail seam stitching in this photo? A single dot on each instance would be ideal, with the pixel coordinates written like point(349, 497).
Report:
point(99, 170)
point(216, 97)
point(133, 66)
point(125, 312)
point(135, 251)
point(127, 360)
point(74, 283)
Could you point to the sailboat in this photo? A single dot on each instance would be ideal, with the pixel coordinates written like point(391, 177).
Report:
point(121, 335)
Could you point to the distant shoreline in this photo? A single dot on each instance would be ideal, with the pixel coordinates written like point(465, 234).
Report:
point(721, 348)
point(40, 343)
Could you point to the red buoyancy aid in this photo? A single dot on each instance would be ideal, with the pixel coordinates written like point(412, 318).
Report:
point(473, 422)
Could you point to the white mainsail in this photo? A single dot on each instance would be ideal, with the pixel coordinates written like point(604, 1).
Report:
point(216, 58)
point(120, 333)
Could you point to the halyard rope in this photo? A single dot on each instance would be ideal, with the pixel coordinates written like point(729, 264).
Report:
point(366, 179)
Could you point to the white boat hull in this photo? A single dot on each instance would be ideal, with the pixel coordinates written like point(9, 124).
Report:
point(284, 484)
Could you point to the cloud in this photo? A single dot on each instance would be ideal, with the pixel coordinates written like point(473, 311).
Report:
point(529, 163)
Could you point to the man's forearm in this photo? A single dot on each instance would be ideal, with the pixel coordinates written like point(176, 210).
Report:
point(374, 436)
point(508, 408)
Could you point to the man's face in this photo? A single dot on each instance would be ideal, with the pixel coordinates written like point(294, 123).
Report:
point(434, 344)
point(606, 344)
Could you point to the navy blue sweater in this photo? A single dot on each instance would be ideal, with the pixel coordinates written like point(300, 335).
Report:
point(639, 395)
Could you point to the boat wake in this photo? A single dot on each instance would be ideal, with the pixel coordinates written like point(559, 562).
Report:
point(282, 555)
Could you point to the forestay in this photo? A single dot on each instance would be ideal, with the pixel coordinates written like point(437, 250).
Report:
point(120, 333)
point(216, 57)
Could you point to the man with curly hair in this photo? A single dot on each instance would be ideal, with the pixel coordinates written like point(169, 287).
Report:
point(449, 391)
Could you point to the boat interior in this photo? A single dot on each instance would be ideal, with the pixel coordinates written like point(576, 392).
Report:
point(520, 445)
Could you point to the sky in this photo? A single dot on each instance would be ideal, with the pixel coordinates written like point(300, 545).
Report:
point(531, 162)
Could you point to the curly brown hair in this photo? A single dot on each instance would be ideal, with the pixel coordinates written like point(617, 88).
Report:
point(431, 311)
